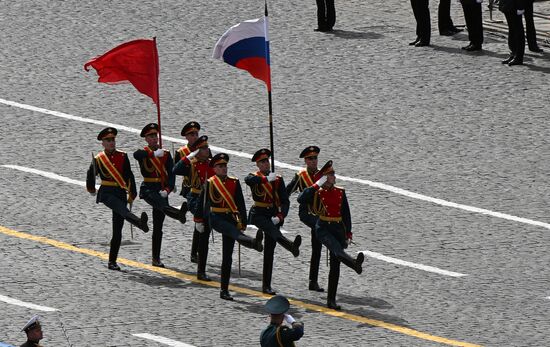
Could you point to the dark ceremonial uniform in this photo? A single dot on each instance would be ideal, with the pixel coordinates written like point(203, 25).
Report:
point(181, 153)
point(530, 30)
point(157, 175)
point(225, 210)
point(34, 324)
point(30, 343)
point(117, 181)
point(326, 15)
point(516, 32)
point(474, 23)
point(333, 229)
point(444, 21)
point(276, 334)
point(280, 335)
point(302, 180)
point(196, 172)
point(270, 200)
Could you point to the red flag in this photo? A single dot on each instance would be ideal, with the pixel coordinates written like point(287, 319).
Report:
point(135, 62)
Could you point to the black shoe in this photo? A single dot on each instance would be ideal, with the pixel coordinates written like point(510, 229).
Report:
point(296, 246)
point(224, 294)
point(113, 266)
point(536, 49)
point(422, 44)
point(515, 62)
point(157, 263)
point(315, 287)
point(472, 48)
point(268, 291)
point(203, 277)
point(321, 29)
point(455, 30)
point(258, 241)
point(359, 262)
point(414, 42)
point(332, 304)
point(466, 47)
point(507, 60)
point(448, 33)
point(144, 219)
point(194, 258)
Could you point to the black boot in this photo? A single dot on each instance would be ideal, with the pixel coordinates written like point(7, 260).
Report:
point(224, 294)
point(249, 242)
point(355, 264)
point(173, 212)
point(293, 247)
point(331, 293)
point(112, 265)
point(313, 285)
point(183, 211)
point(139, 222)
point(194, 246)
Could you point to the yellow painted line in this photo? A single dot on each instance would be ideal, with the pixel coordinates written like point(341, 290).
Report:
point(250, 292)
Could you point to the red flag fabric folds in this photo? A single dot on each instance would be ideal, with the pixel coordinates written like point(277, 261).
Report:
point(135, 62)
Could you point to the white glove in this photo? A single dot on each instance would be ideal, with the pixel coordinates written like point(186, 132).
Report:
point(275, 220)
point(479, 1)
point(271, 177)
point(159, 153)
point(92, 193)
point(520, 12)
point(163, 193)
point(192, 154)
point(199, 227)
point(289, 319)
point(321, 181)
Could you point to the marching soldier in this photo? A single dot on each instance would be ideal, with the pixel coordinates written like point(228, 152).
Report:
point(156, 166)
point(302, 180)
point(277, 334)
point(225, 208)
point(191, 133)
point(117, 180)
point(196, 170)
point(269, 212)
point(333, 227)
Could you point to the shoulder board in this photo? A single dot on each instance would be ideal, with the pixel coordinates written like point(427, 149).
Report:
point(121, 151)
point(339, 188)
point(233, 178)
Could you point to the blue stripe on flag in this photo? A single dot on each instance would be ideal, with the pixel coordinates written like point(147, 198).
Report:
point(247, 48)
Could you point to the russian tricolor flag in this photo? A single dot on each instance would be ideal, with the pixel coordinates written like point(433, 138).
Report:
point(246, 46)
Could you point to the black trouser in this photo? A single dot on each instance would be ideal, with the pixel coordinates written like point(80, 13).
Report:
point(333, 277)
point(316, 246)
point(202, 248)
point(474, 23)
point(530, 25)
point(421, 13)
point(326, 14)
point(516, 35)
point(115, 199)
point(444, 21)
point(158, 220)
point(228, 243)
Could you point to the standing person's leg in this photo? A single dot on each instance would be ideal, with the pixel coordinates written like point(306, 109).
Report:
point(416, 13)
point(333, 277)
point(269, 251)
point(477, 24)
point(331, 14)
point(194, 246)
point(509, 22)
point(444, 21)
point(118, 223)
point(227, 259)
point(202, 252)
point(421, 12)
point(468, 17)
point(531, 32)
point(316, 247)
point(519, 40)
point(321, 16)
point(158, 220)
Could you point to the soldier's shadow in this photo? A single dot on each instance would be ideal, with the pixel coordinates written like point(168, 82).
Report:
point(356, 35)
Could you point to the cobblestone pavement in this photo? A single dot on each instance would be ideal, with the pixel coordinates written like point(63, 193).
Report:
point(436, 121)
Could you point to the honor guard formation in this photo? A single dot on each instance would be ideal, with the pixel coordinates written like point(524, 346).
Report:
point(216, 201)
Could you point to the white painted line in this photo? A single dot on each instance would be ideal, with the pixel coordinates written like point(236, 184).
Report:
point(367, 253)
point(163, 340)
point(373, 184)
point(427, 268)
point(26, 304)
